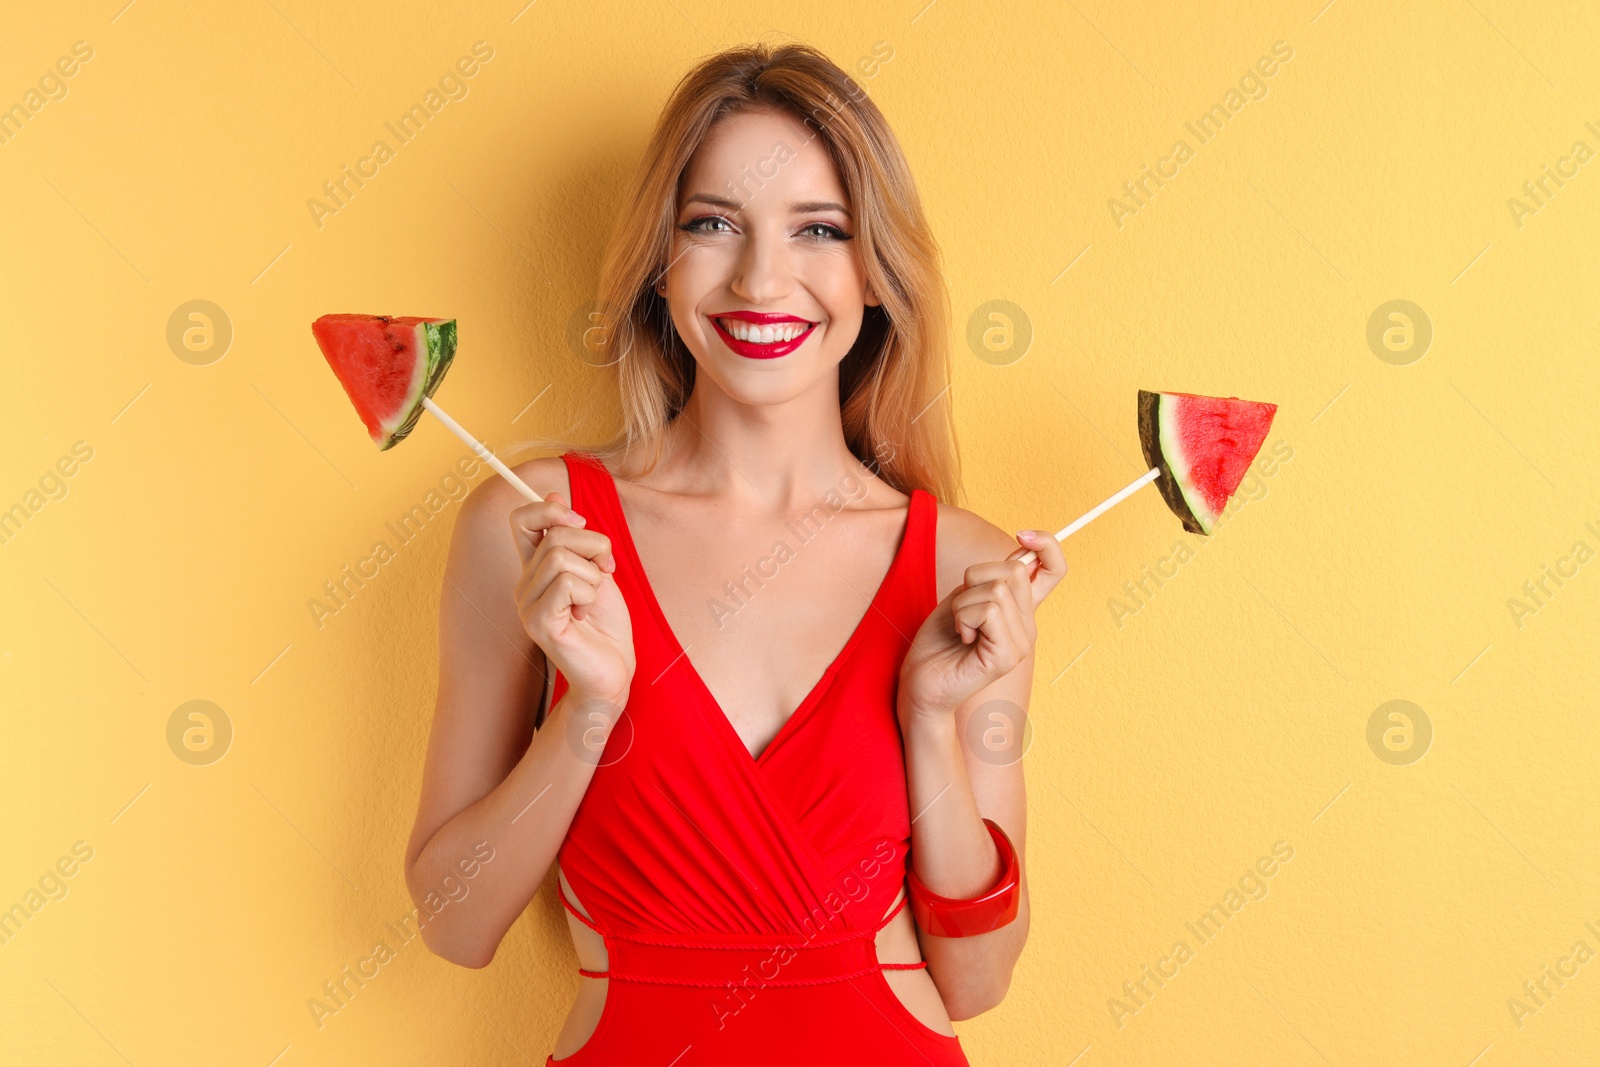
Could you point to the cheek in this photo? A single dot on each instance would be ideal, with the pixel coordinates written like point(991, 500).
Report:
point(843, 327)
point(695, 274)
point(840, 288)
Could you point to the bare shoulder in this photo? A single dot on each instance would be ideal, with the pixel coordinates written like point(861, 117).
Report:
point(482, 545)
point(492, 500)
point(966, 538)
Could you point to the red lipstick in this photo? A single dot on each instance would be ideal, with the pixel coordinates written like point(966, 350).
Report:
point(756, 350)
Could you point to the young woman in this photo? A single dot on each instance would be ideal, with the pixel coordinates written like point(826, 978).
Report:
point(780, 777)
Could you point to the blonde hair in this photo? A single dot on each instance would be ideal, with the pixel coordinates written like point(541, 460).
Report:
point(894, 382)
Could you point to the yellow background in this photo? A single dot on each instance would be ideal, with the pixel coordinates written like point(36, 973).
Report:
point(1172, 746)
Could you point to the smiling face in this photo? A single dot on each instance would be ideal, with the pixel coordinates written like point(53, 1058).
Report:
point(764, 282)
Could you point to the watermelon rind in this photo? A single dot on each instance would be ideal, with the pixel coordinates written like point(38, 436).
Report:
point(438, 341)
point(1156, 439)
point(1203, 454)
point(1182, 466)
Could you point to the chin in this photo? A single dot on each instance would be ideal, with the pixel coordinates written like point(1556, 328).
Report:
point(761, 383)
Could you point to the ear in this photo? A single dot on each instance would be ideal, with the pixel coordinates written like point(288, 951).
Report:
point(871, 298)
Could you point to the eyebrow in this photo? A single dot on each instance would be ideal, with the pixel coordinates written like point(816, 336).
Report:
point(800, 208)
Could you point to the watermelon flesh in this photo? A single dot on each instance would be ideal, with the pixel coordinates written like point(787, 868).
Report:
point(1203, 446)
point(387, 365)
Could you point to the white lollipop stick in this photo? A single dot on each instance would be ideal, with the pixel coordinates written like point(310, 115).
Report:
point(522, 487)
point(482, 453)
point(1099, 509)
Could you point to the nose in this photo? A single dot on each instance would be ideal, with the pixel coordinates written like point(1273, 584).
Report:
point(763, 274)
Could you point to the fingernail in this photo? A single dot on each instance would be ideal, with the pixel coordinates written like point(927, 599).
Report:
point(579, 518)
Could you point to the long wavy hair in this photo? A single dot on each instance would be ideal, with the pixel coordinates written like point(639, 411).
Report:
point(894, 382)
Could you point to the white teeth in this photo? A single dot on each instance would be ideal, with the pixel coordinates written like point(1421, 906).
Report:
point(763, 335)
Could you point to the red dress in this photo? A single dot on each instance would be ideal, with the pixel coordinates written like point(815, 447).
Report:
point(739, 896)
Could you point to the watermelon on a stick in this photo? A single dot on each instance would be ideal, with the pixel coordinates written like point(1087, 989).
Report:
point(1198, 448)
point(1203, 446)
point(390, 368)
point(387, 365)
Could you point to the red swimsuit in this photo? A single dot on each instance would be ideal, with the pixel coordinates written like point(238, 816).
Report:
point(739, 896)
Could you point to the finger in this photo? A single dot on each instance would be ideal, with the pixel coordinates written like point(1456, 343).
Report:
point(968, 621)
point(979, 609)
point(990, 570)
point(551, 563)
point(1013, 574)
point(1051, 565)
point(1001, 619)
point(991, 610)
point(1010, 573)
point(586, 544)
point(560, 595)
point(529, 522)
point(1016, 611)
point(583, 595)
point(567, 594)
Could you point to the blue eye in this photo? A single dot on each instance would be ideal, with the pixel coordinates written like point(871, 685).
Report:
point(704, 224)
point(693, 225)
point(832, 232)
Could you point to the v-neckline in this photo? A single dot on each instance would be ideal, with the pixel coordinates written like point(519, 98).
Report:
point(624, 534)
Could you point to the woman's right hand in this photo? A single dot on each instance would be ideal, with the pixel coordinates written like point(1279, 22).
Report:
point(569, 602)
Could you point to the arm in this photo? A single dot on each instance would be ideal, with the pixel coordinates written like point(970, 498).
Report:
point(955, 789)
point(497, 797)
point(955, 782)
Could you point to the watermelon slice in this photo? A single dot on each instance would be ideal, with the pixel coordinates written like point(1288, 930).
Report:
point(1203, 446)
point(387, 365)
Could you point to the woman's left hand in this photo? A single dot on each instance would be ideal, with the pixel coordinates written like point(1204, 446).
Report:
point(981, 631)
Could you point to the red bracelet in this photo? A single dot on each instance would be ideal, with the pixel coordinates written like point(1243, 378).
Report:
point(947, 917)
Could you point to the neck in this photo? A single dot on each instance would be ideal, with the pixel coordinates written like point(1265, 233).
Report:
point(760, 457)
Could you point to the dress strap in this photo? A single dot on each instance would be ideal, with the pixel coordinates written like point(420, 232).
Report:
point(584, 919)
point(900, 906)
point(926, 556)
point(565, 903)
point(580, 474)
point(917, 966)
point(583, 497)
